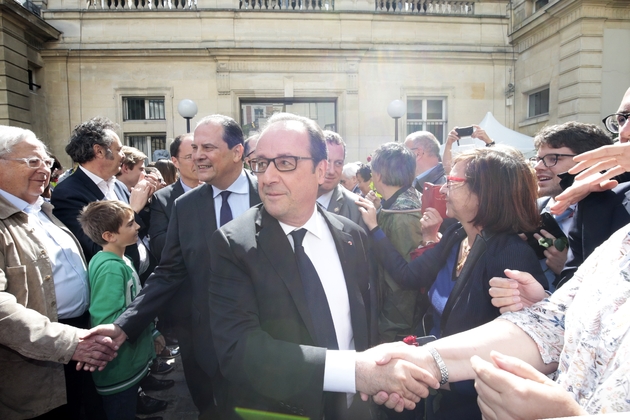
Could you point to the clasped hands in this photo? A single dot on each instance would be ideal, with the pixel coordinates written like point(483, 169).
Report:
point(396, 375)
point(98, 346)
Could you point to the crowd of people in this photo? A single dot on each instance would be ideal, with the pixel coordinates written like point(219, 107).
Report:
point(294, 282)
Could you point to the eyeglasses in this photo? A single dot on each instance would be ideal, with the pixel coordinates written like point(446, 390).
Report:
point(283, 163)
point(549, 160)
point(450, 180)
point(33, 162)
point(614, 122)
point(187, 157)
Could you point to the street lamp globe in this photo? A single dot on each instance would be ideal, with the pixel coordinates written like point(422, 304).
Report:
point(396, 109)
point(187, 109)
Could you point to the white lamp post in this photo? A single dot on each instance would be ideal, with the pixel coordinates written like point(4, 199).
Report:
point(187, 109)
point(396, 109)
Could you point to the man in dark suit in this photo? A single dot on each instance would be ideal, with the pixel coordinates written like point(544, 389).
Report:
point(185, 263)
point(426, 150)
point(162, 202)
point(97, 148)
point(178, 314)
point(285, 324)
point(331, 195)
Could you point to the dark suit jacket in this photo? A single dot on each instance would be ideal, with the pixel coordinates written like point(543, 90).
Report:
point(69, 198)
point(161, 207)
point(435, 176)
point(262, 328)
point(597, 216)
point(185, 263)
point(342, 202)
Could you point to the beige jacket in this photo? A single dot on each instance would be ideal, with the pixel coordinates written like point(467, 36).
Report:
point(33, 346)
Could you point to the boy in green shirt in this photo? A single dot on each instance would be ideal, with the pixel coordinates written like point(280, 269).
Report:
point(114, 283)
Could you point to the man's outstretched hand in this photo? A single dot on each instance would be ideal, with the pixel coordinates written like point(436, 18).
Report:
point(98, 346)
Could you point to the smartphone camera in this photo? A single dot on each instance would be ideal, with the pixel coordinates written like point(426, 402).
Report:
point(465, 131)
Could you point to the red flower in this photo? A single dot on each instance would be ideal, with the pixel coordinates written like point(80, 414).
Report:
point(411, 340)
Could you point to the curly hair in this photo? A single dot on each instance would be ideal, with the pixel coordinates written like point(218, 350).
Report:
point(96, 131)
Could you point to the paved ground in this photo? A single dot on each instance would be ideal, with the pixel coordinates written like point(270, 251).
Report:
point(180, 405)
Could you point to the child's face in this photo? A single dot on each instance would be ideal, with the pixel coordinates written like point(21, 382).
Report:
point(128, 232)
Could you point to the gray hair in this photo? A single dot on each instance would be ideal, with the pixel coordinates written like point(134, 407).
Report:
point(11, 136)
point(426, 141)
point(395, 164)
point(350, 169)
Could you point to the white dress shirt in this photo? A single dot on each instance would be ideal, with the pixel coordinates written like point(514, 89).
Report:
point(324, 199)
point(106, 186)
point(319, 245)
point(238, 200)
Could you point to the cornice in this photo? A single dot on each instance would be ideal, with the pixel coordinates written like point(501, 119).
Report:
point(555, 17)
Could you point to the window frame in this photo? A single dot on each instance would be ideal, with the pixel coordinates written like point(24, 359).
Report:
point(425, 122)
point(530, 94)
point(148, 100)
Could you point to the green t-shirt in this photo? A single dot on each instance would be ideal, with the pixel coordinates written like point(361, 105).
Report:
point(114, 284)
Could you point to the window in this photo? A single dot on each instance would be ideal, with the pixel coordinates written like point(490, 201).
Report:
point(32, 80)
point(538, 103)
point(147, 143)
point(427, 114)
point(143, 109)
point(539, 4)
point(254, 113)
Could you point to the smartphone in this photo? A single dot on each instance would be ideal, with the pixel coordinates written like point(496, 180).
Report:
point(465, 131)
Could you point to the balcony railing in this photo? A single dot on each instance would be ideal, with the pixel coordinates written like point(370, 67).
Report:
point(141, 4)
point(451, 7)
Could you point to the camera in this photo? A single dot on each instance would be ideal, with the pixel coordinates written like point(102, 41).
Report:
point(465, 131)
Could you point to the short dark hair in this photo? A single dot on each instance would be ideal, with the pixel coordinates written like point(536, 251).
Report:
point(103, 216)
point(505, 185)
point(316, 137)
point(335, 138)
point(232, 133)
point(365, 172)
point(395, 164)
point(577, 136)
point(86, 135)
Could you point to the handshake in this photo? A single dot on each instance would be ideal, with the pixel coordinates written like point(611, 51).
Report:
point(396, 375)
point(98, 346)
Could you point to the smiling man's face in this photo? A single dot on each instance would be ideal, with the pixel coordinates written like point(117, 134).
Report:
point(548, 180)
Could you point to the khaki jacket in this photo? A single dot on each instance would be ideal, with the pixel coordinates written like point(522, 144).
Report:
point(33, 346)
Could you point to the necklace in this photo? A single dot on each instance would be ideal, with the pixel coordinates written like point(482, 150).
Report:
point(464, 250)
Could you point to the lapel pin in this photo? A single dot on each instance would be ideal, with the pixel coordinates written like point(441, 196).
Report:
point(350, 243)
point(336, 209)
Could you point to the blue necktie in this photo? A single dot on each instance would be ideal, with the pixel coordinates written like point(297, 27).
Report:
point(226, 210)
point(315, 296)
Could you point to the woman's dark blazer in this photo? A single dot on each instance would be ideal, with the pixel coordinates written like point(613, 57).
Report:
point(469, 304)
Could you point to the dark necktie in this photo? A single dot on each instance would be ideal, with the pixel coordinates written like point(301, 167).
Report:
point(315, 296)
point(226, 210)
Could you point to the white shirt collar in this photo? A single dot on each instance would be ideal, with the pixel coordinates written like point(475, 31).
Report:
point(15, 201)
point(98, 180)
point(240, 186)
point(325, 198)
point(314, 224)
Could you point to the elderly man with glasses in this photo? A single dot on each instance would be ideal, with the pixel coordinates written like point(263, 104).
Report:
point(44, 293)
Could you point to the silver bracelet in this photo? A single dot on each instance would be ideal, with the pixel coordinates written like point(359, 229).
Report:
point(440, 363)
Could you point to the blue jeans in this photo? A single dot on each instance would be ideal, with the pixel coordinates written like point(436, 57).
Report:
point(122, 405)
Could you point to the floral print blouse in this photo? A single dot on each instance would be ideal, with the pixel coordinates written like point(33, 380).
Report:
point(585, 327)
